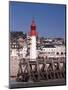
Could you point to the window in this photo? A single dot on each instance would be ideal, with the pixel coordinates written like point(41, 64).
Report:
point(44, 49)
point(12, 46)
point(52, 52)
point(48, 52)
point(10, 51)
point(15, 46)
point(57, 53)
point(61, 53)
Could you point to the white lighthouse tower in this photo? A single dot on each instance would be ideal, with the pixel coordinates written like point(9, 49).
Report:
point(33, 34)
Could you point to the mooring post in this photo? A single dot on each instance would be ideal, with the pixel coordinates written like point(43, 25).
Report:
point(53, 68)
point(38, 69)
point(28, 67)
point(45, 68)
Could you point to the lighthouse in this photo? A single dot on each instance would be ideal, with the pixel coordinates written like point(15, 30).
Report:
point(33, 34)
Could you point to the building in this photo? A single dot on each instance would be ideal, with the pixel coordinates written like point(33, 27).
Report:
point(52, 51)
point(15, 37)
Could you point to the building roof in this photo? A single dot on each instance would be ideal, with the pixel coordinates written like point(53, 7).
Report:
point(48, 46)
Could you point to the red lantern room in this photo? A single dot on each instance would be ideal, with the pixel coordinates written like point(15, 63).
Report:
point(33, 29)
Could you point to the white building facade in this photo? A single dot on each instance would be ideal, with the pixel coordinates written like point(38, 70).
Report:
point(52, 52)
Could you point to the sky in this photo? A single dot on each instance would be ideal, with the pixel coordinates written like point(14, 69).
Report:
point(49, 18)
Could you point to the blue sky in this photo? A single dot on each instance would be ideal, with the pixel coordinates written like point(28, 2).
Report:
point(49, 18)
